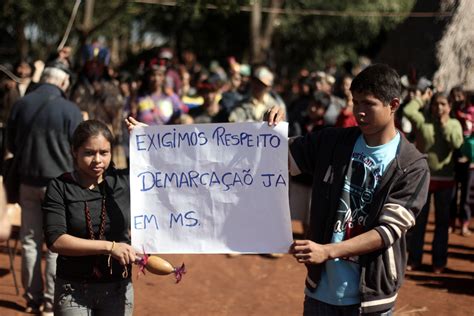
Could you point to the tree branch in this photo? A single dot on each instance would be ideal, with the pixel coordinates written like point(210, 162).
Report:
point(269, 25)
point(255, 24)
point(113, 12)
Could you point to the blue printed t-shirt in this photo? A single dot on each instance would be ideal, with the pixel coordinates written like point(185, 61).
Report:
point(339, 284)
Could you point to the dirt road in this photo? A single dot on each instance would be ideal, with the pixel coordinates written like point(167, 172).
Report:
point(256, 285)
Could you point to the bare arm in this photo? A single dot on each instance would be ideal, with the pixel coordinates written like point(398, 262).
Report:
point(307, 251)
point(68, 245)
point(39, 67)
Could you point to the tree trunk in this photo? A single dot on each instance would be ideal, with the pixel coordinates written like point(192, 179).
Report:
point(266, 38)
point(255, 25)
point(85, 28)
point(261, 40)
point(115, 51)
point(88, 15)
point(23, 46)
point(124, 46)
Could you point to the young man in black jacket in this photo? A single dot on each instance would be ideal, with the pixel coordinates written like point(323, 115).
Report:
point(369, 184)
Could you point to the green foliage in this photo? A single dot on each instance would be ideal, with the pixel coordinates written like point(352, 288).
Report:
point(299, 40)
point(317, 39)
point(211, 33)
point(41, 19)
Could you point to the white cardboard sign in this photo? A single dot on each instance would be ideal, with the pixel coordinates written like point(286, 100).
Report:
point(210, 188)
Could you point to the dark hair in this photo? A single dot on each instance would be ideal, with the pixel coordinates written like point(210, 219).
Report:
point(24, 61)
point(305, 80)
point(442, 94)
point(146, 78)
point(456, 89)
point(338, 86)
point(321, 98)
point(380, 80)
point(88, 129)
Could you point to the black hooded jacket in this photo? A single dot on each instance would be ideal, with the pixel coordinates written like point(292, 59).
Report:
point(398, 199)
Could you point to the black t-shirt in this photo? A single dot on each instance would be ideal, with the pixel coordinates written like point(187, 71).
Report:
point(64, 213)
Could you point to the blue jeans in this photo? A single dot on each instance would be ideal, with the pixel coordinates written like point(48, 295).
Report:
point(314, 307)
point(31, 236)
point(442, 201)
point(81, 298)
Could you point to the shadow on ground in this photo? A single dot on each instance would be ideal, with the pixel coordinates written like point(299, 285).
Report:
point(4, 271)
point(453, 284)
point(11, 305)
point(461, 247)
point(461, 254)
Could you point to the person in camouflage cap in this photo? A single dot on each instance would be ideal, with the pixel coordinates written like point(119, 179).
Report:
point(261, 98)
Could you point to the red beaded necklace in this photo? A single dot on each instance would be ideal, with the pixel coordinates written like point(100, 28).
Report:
point(102, 221)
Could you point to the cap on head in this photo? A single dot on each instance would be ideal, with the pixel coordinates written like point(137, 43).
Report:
point(321, 76)
point(206, 86)
point(166, 53)
point(264, 75)
point(423, 84)
point(155, 65)
point(405, 81)
point(245, 70)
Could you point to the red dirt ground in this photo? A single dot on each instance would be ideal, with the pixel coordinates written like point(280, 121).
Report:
point(256, 285)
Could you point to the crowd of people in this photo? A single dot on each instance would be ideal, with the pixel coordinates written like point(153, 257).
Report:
point(64, 122)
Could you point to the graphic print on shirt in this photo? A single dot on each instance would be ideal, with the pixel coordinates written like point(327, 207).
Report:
point(340, 277)
point(360, 183)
